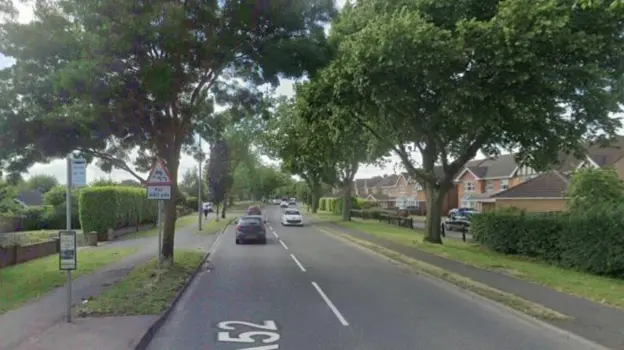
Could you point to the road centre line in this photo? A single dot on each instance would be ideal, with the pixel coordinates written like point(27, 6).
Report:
point(283, 244)
point(331, 305)
point(275, 234)
point(298, 263)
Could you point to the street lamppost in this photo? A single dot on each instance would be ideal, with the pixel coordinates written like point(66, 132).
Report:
point(199, 185)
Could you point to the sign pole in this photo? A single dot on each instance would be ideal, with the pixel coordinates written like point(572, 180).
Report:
point(68, 224)
point(200, 203)
point(159, 223)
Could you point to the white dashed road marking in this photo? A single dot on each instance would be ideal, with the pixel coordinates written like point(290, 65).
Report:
point(298, 263)
point(331, 305)
point(283, 244)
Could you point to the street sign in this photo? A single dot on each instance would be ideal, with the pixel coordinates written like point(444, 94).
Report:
point(79, 171)
point(67, 252)
point(159, 192)
point(159, 182)
point(159, 175)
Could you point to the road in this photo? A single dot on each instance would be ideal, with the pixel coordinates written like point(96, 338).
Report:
point(307, 290)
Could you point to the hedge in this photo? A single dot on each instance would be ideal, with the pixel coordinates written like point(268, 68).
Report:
point(335, 204)
point(591, 241)
point(102, 208)
point(191, 202)
point(373, 214)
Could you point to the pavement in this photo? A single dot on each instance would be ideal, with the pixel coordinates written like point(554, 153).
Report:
point(308, 290)
point(39, 324)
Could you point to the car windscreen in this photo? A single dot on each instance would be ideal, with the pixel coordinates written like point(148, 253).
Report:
point(291, 212)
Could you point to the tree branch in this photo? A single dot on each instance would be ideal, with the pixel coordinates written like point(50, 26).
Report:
point(118, 163)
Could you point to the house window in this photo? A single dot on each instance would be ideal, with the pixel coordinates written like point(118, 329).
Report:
point(504, 184)
point(469, 186)
point(489, 186)
point(469, 204)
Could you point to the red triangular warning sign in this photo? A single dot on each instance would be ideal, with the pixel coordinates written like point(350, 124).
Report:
point(159, 175)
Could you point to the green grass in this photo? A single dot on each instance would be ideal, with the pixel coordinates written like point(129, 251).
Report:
point(212, 226)
point(146, 290)
point(242, 206)
point(181, 222)
point(596, 288)
point(33, 237)
point(30, 280)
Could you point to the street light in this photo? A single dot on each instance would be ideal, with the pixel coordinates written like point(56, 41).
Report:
point(199, 185)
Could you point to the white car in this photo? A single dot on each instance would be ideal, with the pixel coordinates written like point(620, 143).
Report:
point(284, 204)
point(292, 217)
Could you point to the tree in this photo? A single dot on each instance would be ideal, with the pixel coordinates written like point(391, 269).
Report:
point(110, 76)
point(217, 173)
point(591, 188)
point(41, 182)
point(189, 183)
point(302, 150)
point(8, 193)
point(448, 78)
point(348, 144)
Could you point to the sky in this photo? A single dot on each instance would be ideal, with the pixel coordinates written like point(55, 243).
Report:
point(57, 168)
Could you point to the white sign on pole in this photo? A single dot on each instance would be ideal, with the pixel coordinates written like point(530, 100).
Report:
point(159, 182)
point(67, 251)
point(79, 171)
point(159, 192)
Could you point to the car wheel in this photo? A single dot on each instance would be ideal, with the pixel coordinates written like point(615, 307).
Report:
point(263, 241)
point(442, 230)
point(238, 241)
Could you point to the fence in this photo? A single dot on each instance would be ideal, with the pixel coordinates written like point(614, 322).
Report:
point(384, 216)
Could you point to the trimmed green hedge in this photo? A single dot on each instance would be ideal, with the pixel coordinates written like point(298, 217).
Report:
point(335, 204)
point(115, 207)
point(591, 241)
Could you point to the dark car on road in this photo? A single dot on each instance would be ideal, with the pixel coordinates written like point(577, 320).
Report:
point(250, 228)
point(254, 210)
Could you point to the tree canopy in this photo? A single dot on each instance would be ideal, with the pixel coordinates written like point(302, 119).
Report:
point(450, 78)
point(109, 76)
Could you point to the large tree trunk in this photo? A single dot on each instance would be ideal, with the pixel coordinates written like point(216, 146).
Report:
point(315, 199)
point(346, 201)
point(170, 213)
point(224, 207)
point(435, 200)
point(217, 211)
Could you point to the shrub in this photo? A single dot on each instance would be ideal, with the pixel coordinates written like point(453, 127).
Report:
point(323, 204)
point(590, 186)
point(590, 241)
point(115, 207)
point(191, 202)
point(373, 214)
point(338, 204)
point(32, 219)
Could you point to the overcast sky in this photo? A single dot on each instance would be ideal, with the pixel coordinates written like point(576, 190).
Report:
point(57, 168)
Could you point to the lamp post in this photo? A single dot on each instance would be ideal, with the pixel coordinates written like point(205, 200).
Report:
point(199, 186)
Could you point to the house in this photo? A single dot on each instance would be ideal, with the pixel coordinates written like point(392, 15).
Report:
point(546, 192)
point(482, 178)
point(28, 198)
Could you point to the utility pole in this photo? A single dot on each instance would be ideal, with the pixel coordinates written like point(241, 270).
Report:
point(199, 185)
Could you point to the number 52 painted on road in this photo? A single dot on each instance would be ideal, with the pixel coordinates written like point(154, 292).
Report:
point(269, 333)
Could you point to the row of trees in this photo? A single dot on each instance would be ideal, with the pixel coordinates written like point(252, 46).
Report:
point(445, 79)
point(110, 78)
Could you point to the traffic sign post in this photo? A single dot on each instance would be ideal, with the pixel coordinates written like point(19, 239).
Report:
point(159, 188)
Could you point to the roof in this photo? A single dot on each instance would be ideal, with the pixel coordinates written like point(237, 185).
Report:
point(30, 198)
point(380, 197)
point(552, 184)
point(491, 168)
point(389, 181)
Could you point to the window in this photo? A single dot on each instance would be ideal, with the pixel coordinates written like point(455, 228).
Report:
point(469, 204)
point(504, 184)
point(489, 186)
point(469, 186)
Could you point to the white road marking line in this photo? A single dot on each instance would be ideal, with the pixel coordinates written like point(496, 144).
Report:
point(331, 305)
point(283, 244)
point(298, 263)
point(275, 234)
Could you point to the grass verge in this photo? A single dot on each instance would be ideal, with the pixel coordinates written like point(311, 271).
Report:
point(242, 206)
point(596, 288)
point(510, 300)
point(30, 280)
point(213, 226)
point(146, 290)
point(181, 222)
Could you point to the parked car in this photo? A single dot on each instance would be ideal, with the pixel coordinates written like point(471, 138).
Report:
point(250, 228)
point(292, 217)
point(458, 220)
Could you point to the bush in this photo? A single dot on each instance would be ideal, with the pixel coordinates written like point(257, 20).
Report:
point(32, 219)
point(322, 204)
point(115, 207)
point(591, 241)
point(191, 202)
point(372, 214)
point(338, 204)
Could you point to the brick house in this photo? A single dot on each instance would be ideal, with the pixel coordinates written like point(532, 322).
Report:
point(545, 192)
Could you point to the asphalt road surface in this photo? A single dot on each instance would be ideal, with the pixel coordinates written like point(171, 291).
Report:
point(307, 290)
